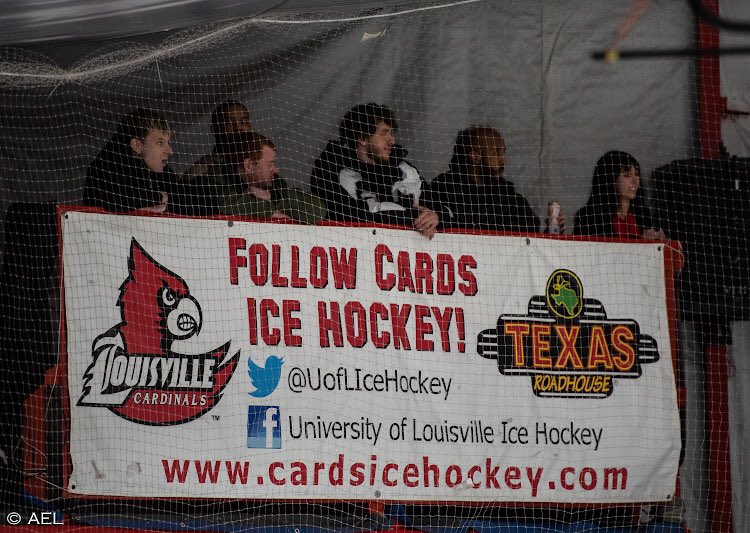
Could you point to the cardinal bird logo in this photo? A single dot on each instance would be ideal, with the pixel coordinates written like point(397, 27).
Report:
point(135, 373)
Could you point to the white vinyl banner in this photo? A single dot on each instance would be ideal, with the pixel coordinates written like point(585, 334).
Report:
point(215, 358)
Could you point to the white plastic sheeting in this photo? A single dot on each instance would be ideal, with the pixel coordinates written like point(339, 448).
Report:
point(735, 80)
point(523, 67)
point(30, 21)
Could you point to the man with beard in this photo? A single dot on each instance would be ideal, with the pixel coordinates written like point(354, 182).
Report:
point(474, 190)
point(364, 177)
point(252, 187)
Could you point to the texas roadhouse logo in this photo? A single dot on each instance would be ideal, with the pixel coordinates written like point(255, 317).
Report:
point(135, 373)
point(567, 344)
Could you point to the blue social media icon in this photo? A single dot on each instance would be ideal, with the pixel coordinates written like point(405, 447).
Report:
point(265, 378)
point(263, 426)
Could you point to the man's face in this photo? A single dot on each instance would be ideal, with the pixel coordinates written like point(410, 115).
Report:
point(154, 149)
point(262, 172)
point(378, 146)
point(492, 154)
point(238, 120)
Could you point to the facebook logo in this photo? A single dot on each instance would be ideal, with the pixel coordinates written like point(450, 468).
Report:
point(263, 426)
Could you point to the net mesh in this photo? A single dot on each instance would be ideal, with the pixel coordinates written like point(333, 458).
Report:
point(312, 279)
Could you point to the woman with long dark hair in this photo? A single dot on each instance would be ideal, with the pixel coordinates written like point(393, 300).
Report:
point(616, 207)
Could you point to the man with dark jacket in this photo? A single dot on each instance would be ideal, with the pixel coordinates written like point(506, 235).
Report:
point(131, 172)
point(228, 118)
point(364, 177)
point(474, 192)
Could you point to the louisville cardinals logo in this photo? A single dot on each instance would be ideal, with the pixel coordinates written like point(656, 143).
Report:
point(135, 373)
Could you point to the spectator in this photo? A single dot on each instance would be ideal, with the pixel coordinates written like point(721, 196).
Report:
point(363, 177)
point(474, 191)
point(227, 118)
point(251, 186)
point(131, 173)
point(615, 207)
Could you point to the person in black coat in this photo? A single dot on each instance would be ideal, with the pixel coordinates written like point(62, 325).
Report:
point(615, 207)
point(227, 119)
point(474, 191)
point(131, 172)
point(364, 176)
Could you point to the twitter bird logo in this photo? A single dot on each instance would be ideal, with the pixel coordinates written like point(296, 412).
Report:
point(264, 379)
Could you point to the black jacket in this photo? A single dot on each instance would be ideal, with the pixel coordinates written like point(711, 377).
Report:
point(596, 219)
point(122, 182)
point(494, 206)
point(353, 190)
